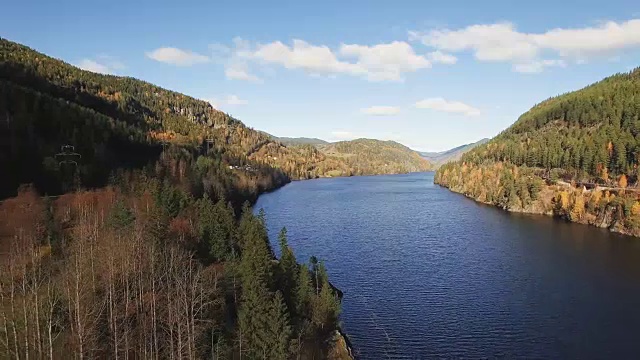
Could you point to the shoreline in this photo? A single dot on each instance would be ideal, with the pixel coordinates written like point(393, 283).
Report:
point(362, 175)
point(340, 337)
point(603, 219)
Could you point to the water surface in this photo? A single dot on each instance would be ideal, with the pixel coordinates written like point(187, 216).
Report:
point(428, 273)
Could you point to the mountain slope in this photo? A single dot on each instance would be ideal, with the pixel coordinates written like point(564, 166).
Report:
point(439, 158)
point(159, 241)
point(291, 141)
point(575, 156)
point(368, 155)
point(121, 120)
point(345, 158)
point(588, 132)
point(111, 121)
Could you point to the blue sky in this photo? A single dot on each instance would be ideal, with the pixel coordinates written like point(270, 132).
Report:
point(431, 75)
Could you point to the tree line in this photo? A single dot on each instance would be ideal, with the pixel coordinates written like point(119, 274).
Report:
point(48, 103)
point(591, 134)
point(540, 163)
point(142, 268)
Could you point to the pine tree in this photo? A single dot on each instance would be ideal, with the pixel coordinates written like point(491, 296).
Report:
point(216, 229)
point(621, 157)
point(121, 216)
point(326, 307)
point(288, 269)
point(313, 261)
point(279, 328)
point(253, 319)
point(256, 254)
point(255, 271)
point(246, 220)
point(304, 292)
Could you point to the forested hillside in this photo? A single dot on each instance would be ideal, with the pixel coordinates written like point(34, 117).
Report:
point(292, 141)
point(593, 133)
point(118, 121)
point(146, 249)
point(575, 156)
point(111, 121)
point(367, 156)
point(346, 158)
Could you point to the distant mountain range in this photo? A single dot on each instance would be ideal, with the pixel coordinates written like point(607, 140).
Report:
point(362, 156)
point(367, 155)
point(365, 150)
point(443, 157)
point(289, 141)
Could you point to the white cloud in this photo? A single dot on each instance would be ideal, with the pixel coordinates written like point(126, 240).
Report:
point(503, 42)
point(385, 61)
point(495, 42)
point(111, 61)
point(537, 66)
point(103, 64)
point(238, 73)
point(232, 100)
point(235, 100)
point(606, 37)
point(382, 62)
point(178, 57)
point(219, 51)
point(381, 110)
point(442, 58)
point(440, 104)
point(236, 65)
point(302, 55)
point(93, 66)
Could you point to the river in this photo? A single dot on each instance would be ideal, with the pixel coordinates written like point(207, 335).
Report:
point(428, 273)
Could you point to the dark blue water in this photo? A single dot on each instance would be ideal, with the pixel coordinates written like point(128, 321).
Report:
point(427, 273)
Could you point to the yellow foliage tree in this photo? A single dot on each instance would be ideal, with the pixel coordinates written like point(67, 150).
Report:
point(604, 175)
point(595, 198)
point(622, 182)
point(634, 219)
point(577, 211)
point(562, 201)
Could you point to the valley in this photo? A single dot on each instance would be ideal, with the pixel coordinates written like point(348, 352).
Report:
point(140, 219)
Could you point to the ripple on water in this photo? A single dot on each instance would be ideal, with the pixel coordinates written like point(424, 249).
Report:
point(427, 273)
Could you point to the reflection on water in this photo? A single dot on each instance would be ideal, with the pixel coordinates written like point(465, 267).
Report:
point(428, 273)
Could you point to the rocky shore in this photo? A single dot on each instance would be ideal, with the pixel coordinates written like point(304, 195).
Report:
point(617, 211)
